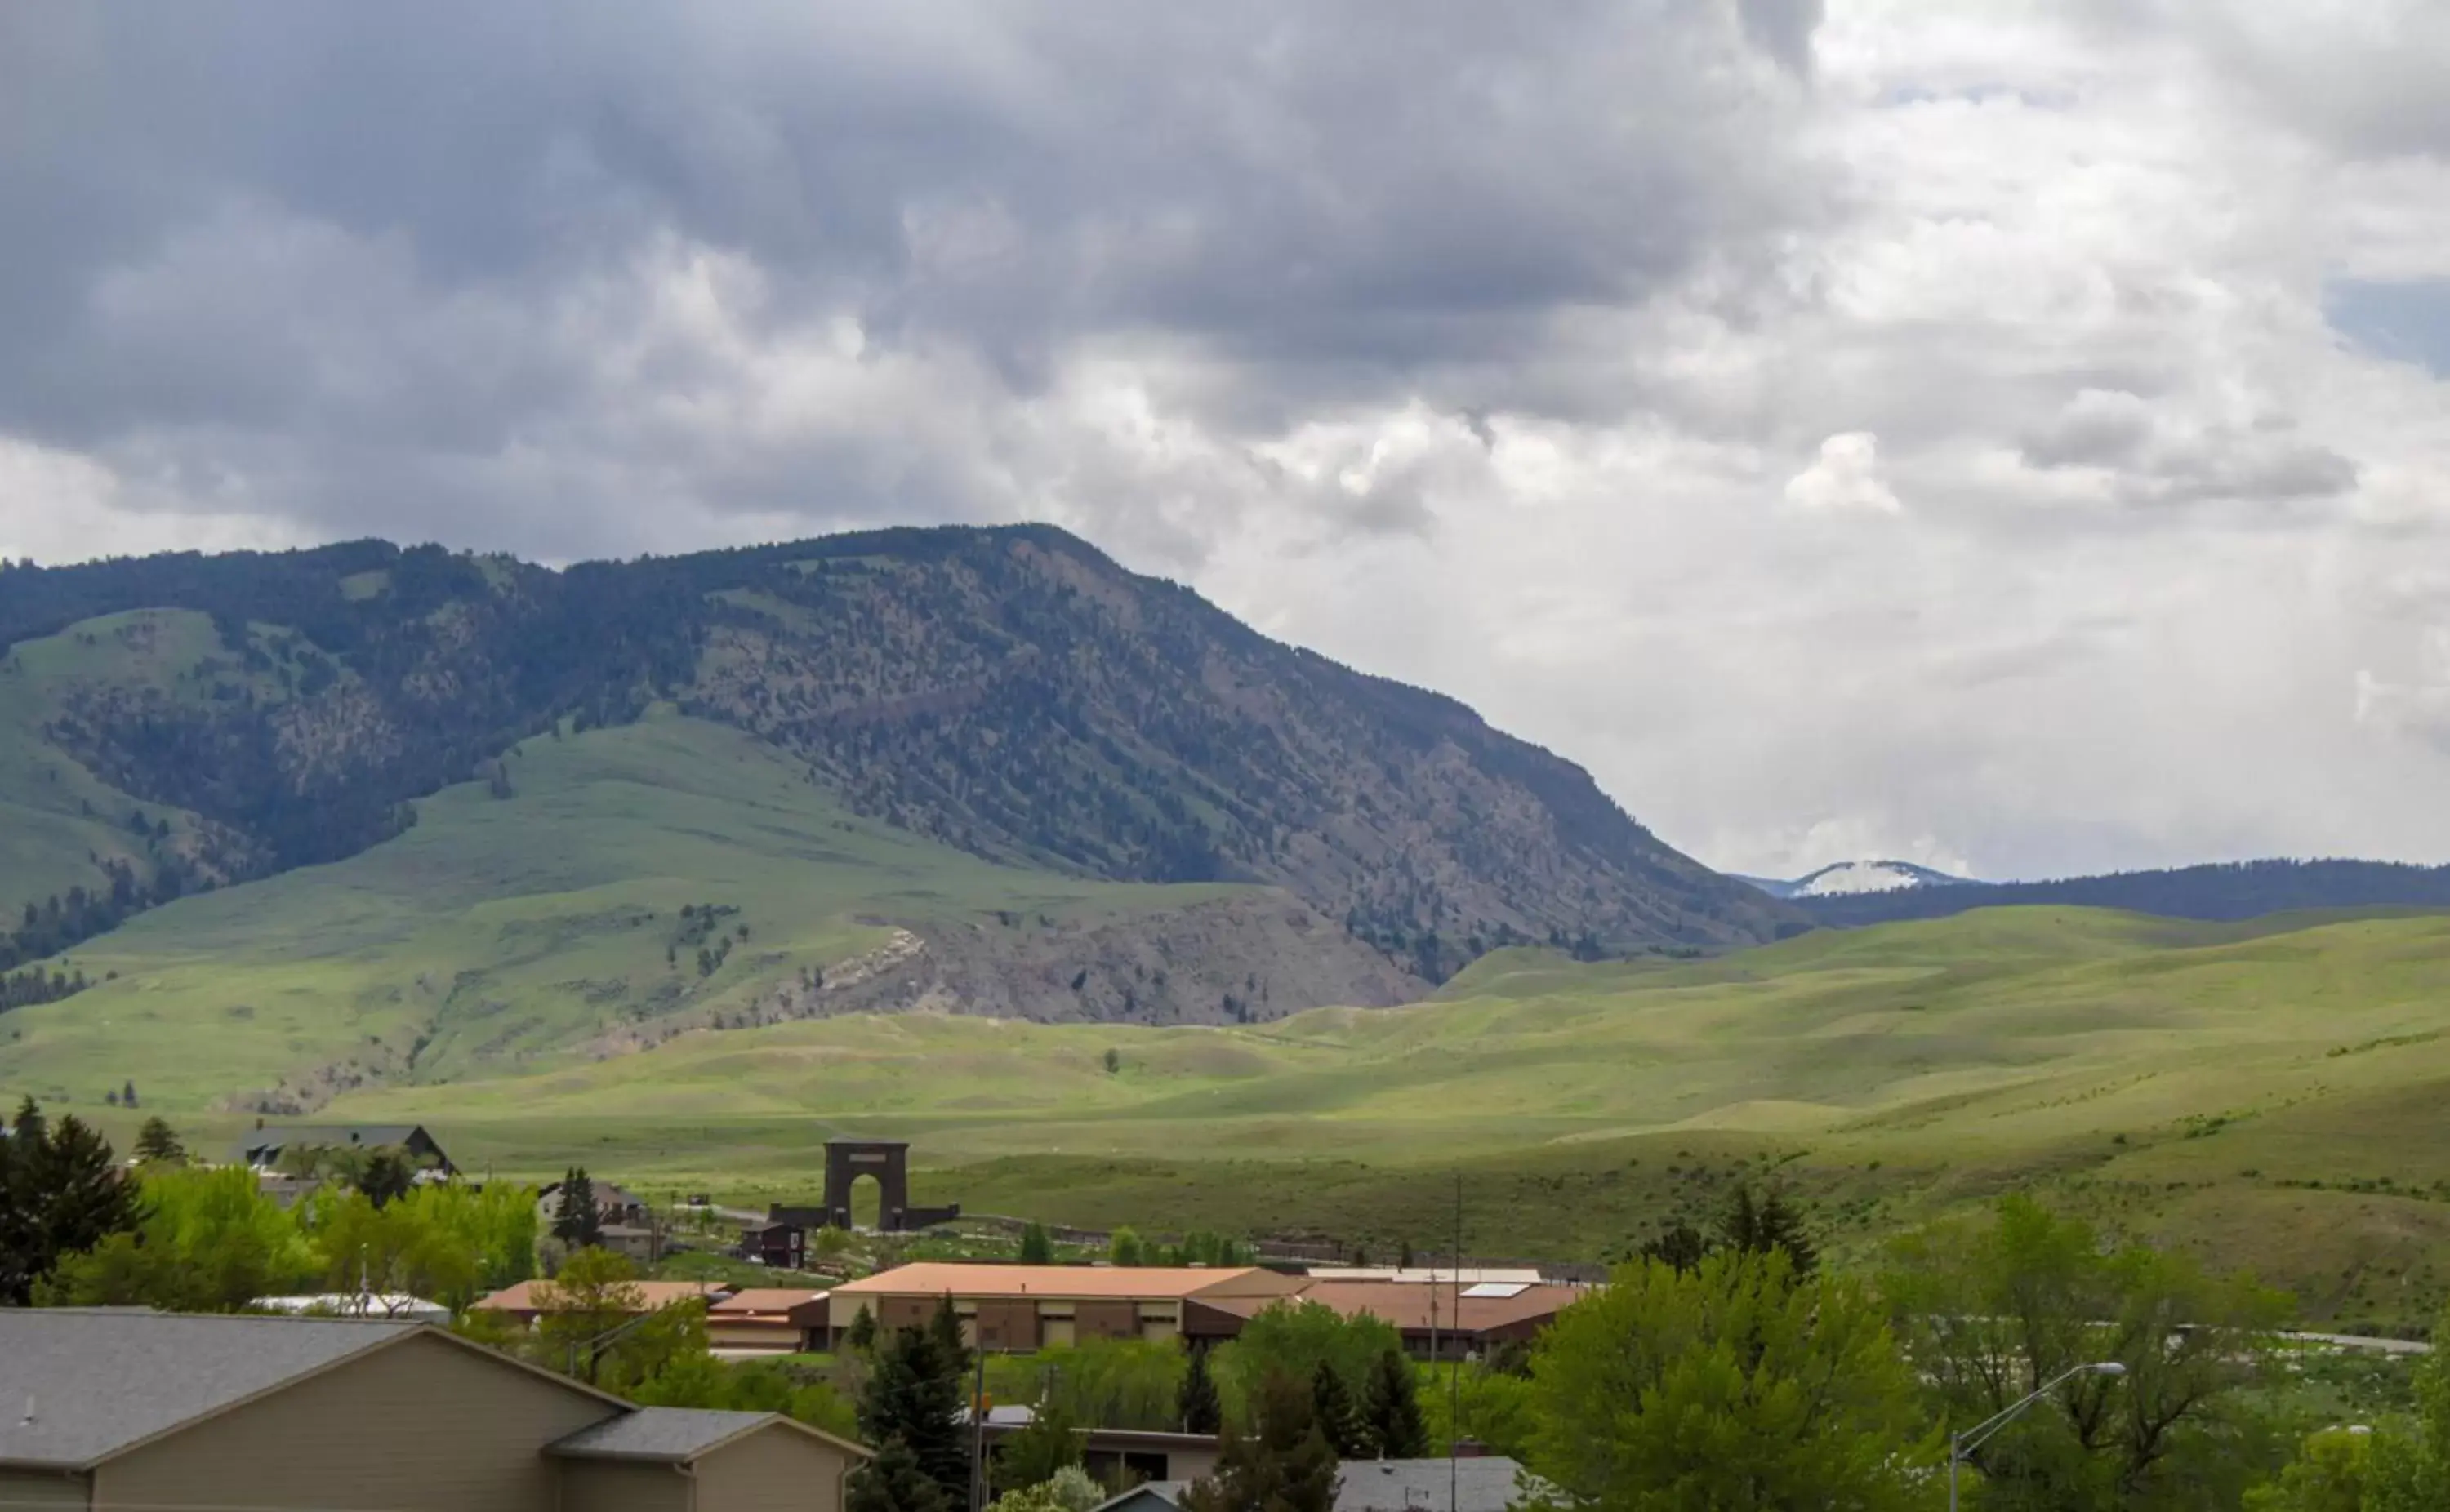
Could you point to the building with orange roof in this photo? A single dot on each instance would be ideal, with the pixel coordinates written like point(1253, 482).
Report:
point(1025, 1308)
point(527, 1300)
point(769, 1320)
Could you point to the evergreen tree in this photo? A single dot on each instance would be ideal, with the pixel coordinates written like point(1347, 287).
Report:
point(1037, 1248)
point(576, 1221)
point(157, 1143)
point(128, 1095)
point(64, 1194)
point(914, 1398)
point(1391, 1409)
point(1759, 1222)
point(1284, 1463)
point(1332, 1408)
point(1680, 1246)
point(1202, 1410)
point(388, 1176)
point(861, 1335)
point(894, 1481)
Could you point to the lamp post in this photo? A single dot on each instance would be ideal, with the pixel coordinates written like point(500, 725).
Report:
point(1961, 1444)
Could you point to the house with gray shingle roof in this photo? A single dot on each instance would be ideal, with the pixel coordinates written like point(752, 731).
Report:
point(124, 1407)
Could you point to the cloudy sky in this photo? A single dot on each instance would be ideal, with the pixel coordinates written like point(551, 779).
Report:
point(2009, 436)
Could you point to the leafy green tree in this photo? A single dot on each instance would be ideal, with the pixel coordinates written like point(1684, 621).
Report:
point(914, 1398)
point(1068, 1489)
point(2330, 1474)
point(210, 1242)
point(895, 1481)
point(1037, 1248)
point(1731, 1387)
point(1391, 1409)
point(1332, 1408)
point(1123, 1248)
point(1050, 1442)
point(595, 1293)
point(1992, 1310)
point(2409, 1470)
point(577, 1220)
point(1491, 1408)
point(157, 1143)
point(1291, 1338)
point(1111, 1383)
point(1282, 1463)
point(1199, 1406)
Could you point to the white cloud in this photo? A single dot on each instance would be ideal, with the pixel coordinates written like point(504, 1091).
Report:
point(1845, 480)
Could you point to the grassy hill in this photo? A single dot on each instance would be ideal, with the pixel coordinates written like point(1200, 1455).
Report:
point(1011, 692)
point(2267, 1092)
point(538, 917)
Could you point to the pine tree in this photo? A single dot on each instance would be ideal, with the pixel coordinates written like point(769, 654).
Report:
point(893, 1481)
point(1390, 1409)
point(64, 1194)
point(576, 1221)
point(1284, 1463)
point(1332, 1407)
point(1758, 1223)
point(914, 1398)
point(1202, 1410)
point(126, 1094)
point(1037, 1248)
point(157, 1143)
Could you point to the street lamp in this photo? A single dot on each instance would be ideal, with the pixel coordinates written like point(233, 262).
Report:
point(1961, 1444)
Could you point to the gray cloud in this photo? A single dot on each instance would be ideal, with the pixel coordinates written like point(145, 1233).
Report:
point(1850, 428)
point(336, 232)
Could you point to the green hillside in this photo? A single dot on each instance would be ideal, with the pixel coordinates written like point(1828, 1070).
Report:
point(2267, 1092)
point(529, 920)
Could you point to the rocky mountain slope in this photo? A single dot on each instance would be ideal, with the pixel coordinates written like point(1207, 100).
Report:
point(1010, 692)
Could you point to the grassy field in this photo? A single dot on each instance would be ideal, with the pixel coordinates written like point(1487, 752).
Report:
point(508, 933)
point(2268, 1094)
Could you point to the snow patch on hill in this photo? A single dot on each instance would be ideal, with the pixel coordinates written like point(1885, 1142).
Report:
point(1851, 876)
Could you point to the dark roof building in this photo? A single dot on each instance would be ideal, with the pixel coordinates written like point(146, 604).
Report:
point(263, 1147)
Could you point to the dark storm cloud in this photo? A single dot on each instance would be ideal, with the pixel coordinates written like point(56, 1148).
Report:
point(295, 241)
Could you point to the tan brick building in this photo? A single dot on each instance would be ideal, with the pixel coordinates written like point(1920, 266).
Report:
point(1025, 1308)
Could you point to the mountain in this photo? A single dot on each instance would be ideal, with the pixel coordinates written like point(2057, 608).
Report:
point(1847, 877)
point(178, 724)
point(2222, 891)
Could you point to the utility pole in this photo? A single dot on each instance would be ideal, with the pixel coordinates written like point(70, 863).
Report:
point(1454, 1370)
point(979, 1432)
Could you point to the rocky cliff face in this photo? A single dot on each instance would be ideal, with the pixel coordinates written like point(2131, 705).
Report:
point(1010, 692)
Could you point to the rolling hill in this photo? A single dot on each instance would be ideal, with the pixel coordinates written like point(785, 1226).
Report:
point(177, 723)
point(606, 890)
point(2264, 1094)
point(2226, 890)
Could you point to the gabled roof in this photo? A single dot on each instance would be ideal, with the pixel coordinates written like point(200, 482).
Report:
point(338, 1136)
point(680, 1435)
point(1118, 1283)
point(83, 1385)
point(1167, 1492)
